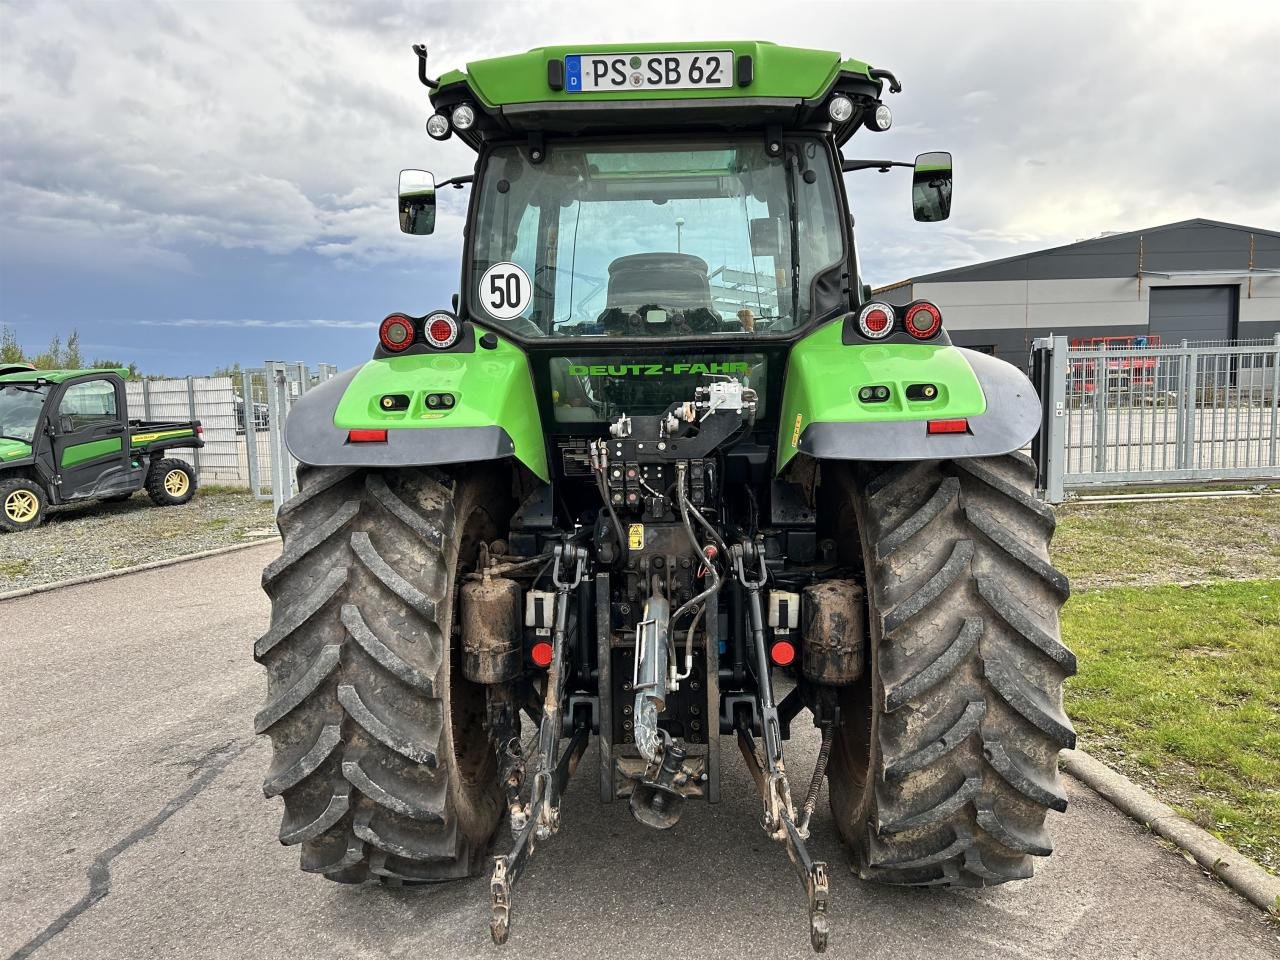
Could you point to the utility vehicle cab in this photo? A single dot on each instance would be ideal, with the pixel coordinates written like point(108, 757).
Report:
point(66, 435)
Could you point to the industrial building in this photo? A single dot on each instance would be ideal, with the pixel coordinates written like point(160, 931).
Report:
point(1197, 280)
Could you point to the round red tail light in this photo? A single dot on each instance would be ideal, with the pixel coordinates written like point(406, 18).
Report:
point(923, 320)
point(441, 330)
point(875, 320)
point(542, 653)
point(396, 333)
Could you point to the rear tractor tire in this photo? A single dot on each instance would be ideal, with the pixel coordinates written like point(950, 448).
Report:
point(946, 763)
point(380, 748)
point(171, 482)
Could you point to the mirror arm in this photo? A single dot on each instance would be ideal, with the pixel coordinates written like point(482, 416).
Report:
point(421, 50)
point(457, 182)
point(848, 166)
point(894, 85)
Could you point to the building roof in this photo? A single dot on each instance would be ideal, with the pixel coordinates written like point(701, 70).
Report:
point(1108, 248)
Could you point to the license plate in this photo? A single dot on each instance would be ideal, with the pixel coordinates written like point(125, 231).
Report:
point(593, 72)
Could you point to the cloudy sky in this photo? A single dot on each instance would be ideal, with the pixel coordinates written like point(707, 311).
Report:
point(192, 184)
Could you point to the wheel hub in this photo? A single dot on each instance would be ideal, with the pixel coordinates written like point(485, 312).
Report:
point(176, 483)
point(21, 506)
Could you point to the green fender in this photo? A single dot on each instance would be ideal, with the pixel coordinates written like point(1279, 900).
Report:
point(824, 417)
point(494, 414)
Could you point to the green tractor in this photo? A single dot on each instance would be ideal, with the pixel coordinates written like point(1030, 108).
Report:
point(665, 473)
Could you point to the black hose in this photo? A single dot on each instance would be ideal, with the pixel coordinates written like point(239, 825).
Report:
point(683, 502)
point(617, 524)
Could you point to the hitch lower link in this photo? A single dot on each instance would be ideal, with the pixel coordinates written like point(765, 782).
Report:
point(539, 818)
point(779, 819)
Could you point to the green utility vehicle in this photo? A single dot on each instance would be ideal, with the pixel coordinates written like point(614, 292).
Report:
point(665, 473)
point(65, 435)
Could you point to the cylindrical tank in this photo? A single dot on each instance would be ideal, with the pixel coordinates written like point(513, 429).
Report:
point(834, 632)
point(491, 630)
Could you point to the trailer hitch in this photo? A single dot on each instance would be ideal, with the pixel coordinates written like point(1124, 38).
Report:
point(540, 817)
point(779, 819)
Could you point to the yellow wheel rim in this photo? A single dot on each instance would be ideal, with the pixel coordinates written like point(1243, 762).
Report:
point(176, 483)
point(21, 506)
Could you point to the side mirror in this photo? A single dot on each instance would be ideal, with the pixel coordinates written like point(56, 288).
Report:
point(766, 236)
point(417, 202)
point(931, 187)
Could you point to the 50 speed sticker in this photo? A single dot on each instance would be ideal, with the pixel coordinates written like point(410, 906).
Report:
point(505, 291)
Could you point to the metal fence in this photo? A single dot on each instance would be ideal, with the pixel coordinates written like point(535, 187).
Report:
point(1117, 415)
point(267, 394)
point(243, 419)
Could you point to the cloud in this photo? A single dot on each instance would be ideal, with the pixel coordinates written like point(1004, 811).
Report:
point(144, 136)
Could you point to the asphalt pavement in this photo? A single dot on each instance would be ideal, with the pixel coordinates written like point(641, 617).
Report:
point(134, 826)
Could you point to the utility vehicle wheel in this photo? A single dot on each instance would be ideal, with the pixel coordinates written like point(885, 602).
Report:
point(379, 741)
point(22, 505)
point(947, 762)
point(171, 482)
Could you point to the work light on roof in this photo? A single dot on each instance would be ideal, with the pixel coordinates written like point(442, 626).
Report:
point(880, 119)
point(438, 126)
point(840, 108)
point(464, 116)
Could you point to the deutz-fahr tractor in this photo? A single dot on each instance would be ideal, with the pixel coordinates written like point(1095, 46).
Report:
point(665, 474)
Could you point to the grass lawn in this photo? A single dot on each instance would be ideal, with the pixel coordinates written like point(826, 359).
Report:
point(1173, 541)
point(1179, 683)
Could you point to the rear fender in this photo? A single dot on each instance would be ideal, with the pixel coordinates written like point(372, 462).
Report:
point(823, 417)
point(494, 415)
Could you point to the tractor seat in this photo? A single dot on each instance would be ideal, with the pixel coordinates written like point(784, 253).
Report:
point(673, 282)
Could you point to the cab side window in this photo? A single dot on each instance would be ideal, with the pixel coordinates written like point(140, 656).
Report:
point(86, 404)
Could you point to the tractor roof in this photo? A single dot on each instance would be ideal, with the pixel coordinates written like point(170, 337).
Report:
point(771, 85)
point(57, 376)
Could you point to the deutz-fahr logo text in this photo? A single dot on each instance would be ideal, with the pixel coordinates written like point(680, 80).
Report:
point(655, 369)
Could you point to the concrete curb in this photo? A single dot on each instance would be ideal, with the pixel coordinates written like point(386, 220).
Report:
point(1228, 864)
point(153, 565)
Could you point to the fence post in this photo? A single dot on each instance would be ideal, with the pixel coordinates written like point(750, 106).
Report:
point(1182, 448)
point(146, 399)
point(191, 415)
point(1101, 386)
point(248, 416)
point(277, 389)
point(1056, 443)
point(1275, 400)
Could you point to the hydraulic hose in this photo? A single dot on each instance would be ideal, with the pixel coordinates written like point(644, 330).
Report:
point(684, 505)
point(597, 468)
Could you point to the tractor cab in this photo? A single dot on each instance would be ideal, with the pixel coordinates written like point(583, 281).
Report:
point(643, 218)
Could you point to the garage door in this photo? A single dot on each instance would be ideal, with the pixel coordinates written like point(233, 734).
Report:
point(1192, 313)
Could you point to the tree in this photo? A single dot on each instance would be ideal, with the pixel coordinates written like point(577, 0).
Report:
point(134, 372)
point(10, 349)
point(51, 359)
point(71, 357)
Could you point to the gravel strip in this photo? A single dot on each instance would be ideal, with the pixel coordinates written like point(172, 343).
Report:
point(95, 537)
